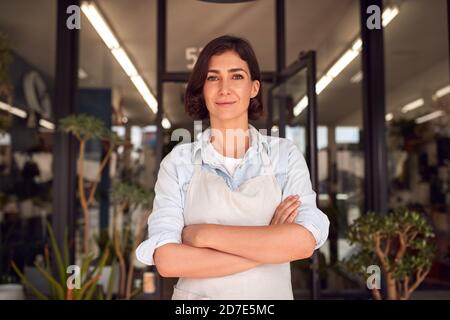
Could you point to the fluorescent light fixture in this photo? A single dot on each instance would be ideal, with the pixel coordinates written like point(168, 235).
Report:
point(124, 61)
point(342, 63)
point(323, 83)
point(301, 105)
point(139, 83)
point(388, 15)
point(389, 116)
point(357, 77)
point(104, 31)
point(166, 123)
point(357, 45)
point(413, 105)
point(46, 124)
point(430, 116)
point(442, 92)
point(342, 196)
point(100, 25)
point(13, 110)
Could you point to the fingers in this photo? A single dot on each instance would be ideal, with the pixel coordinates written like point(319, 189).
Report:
point(287, 202)
point(286, 209)
point(290, 210)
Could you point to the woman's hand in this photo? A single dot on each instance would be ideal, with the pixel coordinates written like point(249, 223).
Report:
point(287, 210)
point(191, 234)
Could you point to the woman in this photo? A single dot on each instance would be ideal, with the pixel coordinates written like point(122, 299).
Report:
point(227, 217)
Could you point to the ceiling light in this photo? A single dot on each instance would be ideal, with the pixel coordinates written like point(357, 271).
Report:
point(389, 116)
point(413, 105)
point(342, 63)
point(357, 77)
point(388, 15)
point(357, 45)
point(13, 110)
point(430, 116)
point(165, 123)
point(301, 105)
point(82, 74)
point(442, 92)
point(102, 28)
point(46, 124)
point(140, 84)
point(323, 83)
point(124, 61)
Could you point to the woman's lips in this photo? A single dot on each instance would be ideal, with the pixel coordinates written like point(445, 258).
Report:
point(225, 104)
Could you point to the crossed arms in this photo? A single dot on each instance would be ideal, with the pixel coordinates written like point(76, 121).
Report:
point(211, 250)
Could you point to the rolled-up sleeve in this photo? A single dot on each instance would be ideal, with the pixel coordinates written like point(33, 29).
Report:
point(166, 221)
point(298, 182)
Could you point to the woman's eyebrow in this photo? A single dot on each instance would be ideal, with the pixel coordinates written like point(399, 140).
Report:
point(229, 70)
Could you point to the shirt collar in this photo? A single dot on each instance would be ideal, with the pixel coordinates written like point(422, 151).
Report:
point(257, 140)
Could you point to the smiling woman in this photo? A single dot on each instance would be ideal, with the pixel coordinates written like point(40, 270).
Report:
point(233, 209)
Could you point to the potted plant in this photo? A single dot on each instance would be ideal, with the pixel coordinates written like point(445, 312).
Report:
point(84, 128)
point(63, 286)
point(399, 243)
point(127, 198)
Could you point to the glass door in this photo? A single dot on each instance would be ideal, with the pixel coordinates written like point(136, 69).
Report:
point(293, 115)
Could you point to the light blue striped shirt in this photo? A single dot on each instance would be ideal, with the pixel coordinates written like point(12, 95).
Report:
point(166, 221)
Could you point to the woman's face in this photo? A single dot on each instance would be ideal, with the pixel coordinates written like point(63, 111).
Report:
point(228, 88)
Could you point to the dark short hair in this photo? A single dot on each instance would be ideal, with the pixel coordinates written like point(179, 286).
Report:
point(194, 100)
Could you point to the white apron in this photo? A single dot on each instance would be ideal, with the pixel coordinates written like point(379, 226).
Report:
point(210, 200)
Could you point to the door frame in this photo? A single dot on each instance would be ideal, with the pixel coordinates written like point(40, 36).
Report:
point(306, 61)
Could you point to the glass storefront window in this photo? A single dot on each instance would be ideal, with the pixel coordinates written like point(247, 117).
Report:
point(417, 121)
point(27, 126)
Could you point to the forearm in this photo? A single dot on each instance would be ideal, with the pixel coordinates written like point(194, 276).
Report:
point(181, 260)
point(267, 244)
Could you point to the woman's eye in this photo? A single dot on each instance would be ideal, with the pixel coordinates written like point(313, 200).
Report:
point(238, 76)
point(211, 78)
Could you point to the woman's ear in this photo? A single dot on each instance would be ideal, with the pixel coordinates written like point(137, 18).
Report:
point(255, 88)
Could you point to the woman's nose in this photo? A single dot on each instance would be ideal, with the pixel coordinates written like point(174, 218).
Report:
point(224, 87)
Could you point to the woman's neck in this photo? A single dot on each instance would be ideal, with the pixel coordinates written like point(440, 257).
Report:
point(230, 140)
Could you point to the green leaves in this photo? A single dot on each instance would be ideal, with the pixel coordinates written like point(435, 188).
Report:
point(84, 127)
point(89, 274)
point(400, 243)
point(132, 194)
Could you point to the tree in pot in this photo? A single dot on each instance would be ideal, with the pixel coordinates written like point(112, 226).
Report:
point(85, 128)
point(400, 243)
point(127, 198)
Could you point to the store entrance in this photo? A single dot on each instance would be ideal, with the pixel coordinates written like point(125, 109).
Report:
point(292, 115)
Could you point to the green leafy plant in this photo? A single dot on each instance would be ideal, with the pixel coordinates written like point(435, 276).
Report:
point(400, 243)
point(59, 288)
point(127, 198)
point(84, 128)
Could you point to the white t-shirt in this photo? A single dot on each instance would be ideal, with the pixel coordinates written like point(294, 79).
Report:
point(229, 163)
